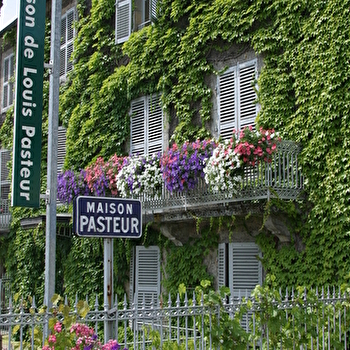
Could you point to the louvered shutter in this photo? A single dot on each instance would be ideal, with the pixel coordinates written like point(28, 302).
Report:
point(247, 107)
point(147, 274)
point(63, 45)
point(137, 129)
point(153, 10)
point(11, 83)
point(61, 148)
point(7, 96)
point(245, 270)
point(154, 125)
point(227, 106)
point(70, 38)
point(132, 275)
point(5, 157)
point(222, 265)
point(123, 21)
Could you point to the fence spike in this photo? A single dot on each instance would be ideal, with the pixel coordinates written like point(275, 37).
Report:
point(96, 303)
point(125, 302)
point(169, 300)
point(194, 299)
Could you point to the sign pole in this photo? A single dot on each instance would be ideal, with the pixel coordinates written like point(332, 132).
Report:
point(108, 284)
point(51, 192)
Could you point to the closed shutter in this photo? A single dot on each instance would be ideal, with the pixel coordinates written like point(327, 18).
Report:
point(61, 148)
point(227, 103)
point(67, 38)
point(8, 84)
point(147, 274)
point(137, 129)
point(222, 265)
point(123, 21)
point(153, 10)
point(245, 270)
point(247, 96)
point(155, 125)
point(5, 158)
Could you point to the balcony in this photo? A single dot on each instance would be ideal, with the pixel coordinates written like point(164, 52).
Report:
point(282, 178)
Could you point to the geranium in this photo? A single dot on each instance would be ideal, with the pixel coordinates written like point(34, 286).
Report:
point(256, 146)
point(223, 169)
point(139, 174)
point(71, 185)
point(112, 168)
point(183, 166)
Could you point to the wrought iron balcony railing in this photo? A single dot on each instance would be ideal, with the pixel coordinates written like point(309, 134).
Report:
point(281, 178)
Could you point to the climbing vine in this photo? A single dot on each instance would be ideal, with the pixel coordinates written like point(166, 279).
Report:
point(303, 93)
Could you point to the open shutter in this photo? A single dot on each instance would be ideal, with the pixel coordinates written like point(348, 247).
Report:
point(222, 270)
point(70, 38)
point(155, 125)
point(147, 274)
point(245, 270)
point(123, 21)
point(227, 106)
point(11, 82)
point(5, 157)
point(132, 275)
point(61, 148)
point(247, 106)
point(137, 129)
point(63, 45)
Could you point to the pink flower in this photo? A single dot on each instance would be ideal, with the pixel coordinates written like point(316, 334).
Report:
point(52, 338)
point(57, 327)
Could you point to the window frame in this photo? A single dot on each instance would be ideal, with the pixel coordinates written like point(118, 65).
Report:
point(8, 82)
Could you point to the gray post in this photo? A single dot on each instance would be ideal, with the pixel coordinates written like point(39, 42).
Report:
point(108, 284)
point(51, 192)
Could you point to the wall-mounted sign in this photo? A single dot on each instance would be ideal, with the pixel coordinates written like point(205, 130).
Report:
point(107, 217)
point(29, 102)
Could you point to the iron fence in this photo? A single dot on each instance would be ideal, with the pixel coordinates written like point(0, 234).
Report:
point(304, 320)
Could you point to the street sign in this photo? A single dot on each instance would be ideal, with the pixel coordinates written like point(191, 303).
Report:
point(29, 103)
point(107, 217)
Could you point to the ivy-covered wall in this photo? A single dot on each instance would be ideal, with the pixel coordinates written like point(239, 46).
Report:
point(303, 93)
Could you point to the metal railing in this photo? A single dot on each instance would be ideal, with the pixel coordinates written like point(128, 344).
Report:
point(287, 322)
point(282, 178)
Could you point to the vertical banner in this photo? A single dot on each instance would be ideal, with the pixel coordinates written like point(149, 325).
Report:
point(29, 102)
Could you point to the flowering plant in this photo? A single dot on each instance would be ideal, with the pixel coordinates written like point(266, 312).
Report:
point(222, 172)
point(70, 185)
point(140, 174)
point(256, 146)
point(183, 166)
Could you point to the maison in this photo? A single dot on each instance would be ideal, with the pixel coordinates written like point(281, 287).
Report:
point(235, 261)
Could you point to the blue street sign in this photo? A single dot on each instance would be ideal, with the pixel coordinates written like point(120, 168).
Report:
point(107, 217)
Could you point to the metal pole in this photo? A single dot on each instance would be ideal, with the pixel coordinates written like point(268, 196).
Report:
point(108, 284)
point(51, 192)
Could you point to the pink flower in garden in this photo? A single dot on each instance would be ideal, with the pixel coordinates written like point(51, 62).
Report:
point(52, 338)
point(57, 327)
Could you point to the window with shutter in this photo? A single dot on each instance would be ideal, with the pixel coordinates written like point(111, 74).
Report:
point(245, 270)
point(5, 157)
point(132, 17)
point(145, 277)
point(67, 38)
point(8, 92)
point(146, 125)
point(236, 98)
point(61, 148)
point(222, 263)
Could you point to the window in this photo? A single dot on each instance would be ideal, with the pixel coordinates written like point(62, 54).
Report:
point(131, 17)
point(146, 125)
point(239, 267)
point(145, 275)
point(8, 81)
point(67, 38)
point(5, 157)
point(236, 98)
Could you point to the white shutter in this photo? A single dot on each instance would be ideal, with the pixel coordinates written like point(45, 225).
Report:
point(153, 10)
point(7, 95)
point(147, 274)
point(227, 106)
point(122, 21)
point(222, 265)
point(137, 128)
point(5, 157)
point(70, 24)
point(11, 92)
point(155, 125)
point(132, 275)
point(67, 39)
point(247, 107)
point(245, 270)
point(61, 148)
point(63, 61)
